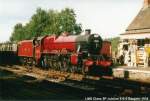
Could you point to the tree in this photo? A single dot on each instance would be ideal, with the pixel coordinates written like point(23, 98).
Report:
point(68, 21)
point(47, 22)
point(52, 27)
point(18, 33)
point(38, 23)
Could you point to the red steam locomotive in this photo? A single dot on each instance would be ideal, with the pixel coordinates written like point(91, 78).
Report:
point(71, 53)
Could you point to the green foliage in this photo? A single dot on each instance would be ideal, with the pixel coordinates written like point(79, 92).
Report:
point(18, 33)
point(68, 21)
point(46, 23)
point(114, 42)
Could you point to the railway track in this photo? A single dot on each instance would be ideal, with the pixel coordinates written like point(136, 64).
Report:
point(32, 89)
point(97, 86)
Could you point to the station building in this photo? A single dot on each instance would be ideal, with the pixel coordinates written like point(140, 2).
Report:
point(134, 44)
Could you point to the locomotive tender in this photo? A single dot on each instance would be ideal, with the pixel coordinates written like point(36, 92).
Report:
point(71, 53)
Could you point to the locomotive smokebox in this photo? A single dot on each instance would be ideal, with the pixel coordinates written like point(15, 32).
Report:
point(91, 43)
point(94, 43)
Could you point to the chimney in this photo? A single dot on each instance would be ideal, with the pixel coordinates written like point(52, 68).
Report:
point(87, 31)
point(146, 3)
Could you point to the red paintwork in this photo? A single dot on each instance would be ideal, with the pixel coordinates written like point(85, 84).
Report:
point(25, 48)
point(48, 44)
point(103, 63)
point(70, 38)
point(74, 59)
point(60, 43)
point(37, 53)
point(88, 62)
point(65, 42)
point(106, 49)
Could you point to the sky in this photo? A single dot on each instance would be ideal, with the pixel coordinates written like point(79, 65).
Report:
point(109, 18)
